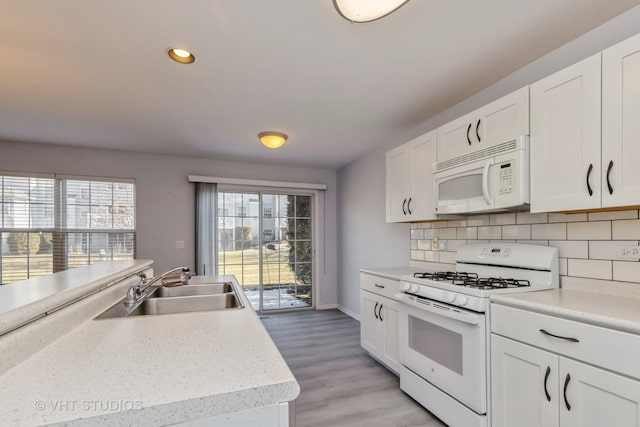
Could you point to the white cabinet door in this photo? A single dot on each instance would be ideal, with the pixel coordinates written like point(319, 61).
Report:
point(503, 120)
point(398, 178)
point(371, 332)
point(457, 137)
point(565, 139)
point(524, 385)
point(422, 156)
point(597, 397)
point(389, 317)
point(621, 124)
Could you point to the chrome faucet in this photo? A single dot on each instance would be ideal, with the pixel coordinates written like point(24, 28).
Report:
point(137, 292)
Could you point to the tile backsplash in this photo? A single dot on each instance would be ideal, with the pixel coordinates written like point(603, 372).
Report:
point(587, 242)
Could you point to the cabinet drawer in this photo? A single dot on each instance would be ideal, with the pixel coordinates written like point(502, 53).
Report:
point(607, 348)
point(379, 285)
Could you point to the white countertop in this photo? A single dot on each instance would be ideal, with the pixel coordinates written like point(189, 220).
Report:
point(392, 273)
point(169, 368)
point(609, 311)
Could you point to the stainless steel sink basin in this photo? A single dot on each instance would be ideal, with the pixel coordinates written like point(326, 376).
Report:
point(181, 299)
point(189, 290)
point(186, 304)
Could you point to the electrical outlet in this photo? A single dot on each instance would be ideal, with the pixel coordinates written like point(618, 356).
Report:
point(444, 245)
point(434, 244)
point(628, 252)
point(179, 244)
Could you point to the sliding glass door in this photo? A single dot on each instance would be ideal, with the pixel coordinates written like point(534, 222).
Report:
point(265, 240)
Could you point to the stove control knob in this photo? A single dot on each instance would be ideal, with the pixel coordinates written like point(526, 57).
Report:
point(414, 288)
point(450, 297)
point(462, 300)
point(406, 286)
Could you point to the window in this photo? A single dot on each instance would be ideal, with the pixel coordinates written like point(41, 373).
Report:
point(268, 212)
point(241, 211)
point(49, 224)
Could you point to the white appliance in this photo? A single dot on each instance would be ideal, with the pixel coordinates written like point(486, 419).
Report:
point(444, 325)
point(486, 180)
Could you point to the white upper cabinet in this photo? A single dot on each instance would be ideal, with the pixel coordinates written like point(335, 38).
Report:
point(409, 174)
point(500, 121)
point(565, 139)
point(621, 124)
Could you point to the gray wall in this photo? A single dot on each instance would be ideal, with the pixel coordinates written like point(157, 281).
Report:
point(365, 240)
point(165, 199)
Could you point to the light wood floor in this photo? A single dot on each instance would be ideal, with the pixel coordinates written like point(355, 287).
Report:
point(341, 385)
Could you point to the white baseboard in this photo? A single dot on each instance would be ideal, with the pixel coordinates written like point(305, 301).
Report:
point(326, 307)
point(348, 312)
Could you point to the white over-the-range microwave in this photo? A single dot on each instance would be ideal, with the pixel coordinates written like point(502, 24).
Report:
point(490, 179)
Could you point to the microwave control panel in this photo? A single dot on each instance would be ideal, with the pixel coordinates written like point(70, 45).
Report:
point(505, 179)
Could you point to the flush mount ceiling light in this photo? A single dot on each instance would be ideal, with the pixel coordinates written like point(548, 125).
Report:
point(180, 55)
point(366, 10)
point(272, 139)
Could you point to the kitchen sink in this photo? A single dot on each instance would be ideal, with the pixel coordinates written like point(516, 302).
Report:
point(189, 290)
point(186, 304)
point(179, 299)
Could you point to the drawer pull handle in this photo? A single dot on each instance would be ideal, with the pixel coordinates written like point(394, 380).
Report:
point(375, 313)
point(560, 337)
point(566, 384)
point(546, 377)
point(379, 286)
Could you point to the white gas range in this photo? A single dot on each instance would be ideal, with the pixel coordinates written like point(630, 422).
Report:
point(444, 325)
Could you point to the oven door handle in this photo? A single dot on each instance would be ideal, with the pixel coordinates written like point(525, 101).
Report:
point(470, 318)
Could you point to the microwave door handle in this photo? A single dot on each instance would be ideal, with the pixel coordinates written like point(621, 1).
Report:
point(485, 182)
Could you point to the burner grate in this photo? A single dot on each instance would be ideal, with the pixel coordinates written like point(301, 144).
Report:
point(495, 283)
point(456, 277)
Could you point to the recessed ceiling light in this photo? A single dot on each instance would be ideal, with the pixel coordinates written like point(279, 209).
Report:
point(366, 10)
point(272, 139)
point(180, 55)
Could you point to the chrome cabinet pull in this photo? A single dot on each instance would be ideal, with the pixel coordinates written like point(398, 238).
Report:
point(609, 177)
point(374, 310)
point(379, 286)
point(468, 130)
point(477, 131)
point(566, 384)
point(588, 175)
point(546, 377)
point(559, 336)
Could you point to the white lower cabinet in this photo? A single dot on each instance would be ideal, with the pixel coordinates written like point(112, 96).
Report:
point(534, 387)
point(379, 324)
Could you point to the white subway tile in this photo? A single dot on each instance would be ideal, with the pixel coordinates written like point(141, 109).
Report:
point(454, 245)
point(467, 233)
point(413, 225)
point(595, 269)
point(448, 257)
point(414, 244)
point(502, 241)
point(516, 232)
point(440, 224)
point(531, 218)
point(479, 241)
point(571, 248)
point(626, 271)
point(608, 249)
point(447, 233)
point(429, 233)
point(549, 231)
point(424, 245)
point(534, 242)
point(477, 220)
point(417, 234)
point(603, 216)
point(494, 232)
point(567, 217)
point(626, 229)
point(433, 256)
point(598, 230)
point(457, 223)
point(502, 219)
point(417, 255)
point(425, 225)
point(562, 266)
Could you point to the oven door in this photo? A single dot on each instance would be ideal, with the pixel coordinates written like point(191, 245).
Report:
point(446, 346)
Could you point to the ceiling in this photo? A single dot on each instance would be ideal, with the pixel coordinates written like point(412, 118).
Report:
point(96, 73)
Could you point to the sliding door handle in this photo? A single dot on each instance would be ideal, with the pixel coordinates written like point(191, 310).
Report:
point(588, 176)
point(609, 177)
point(566, 384)
point(546, 378)
point(375, 312)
